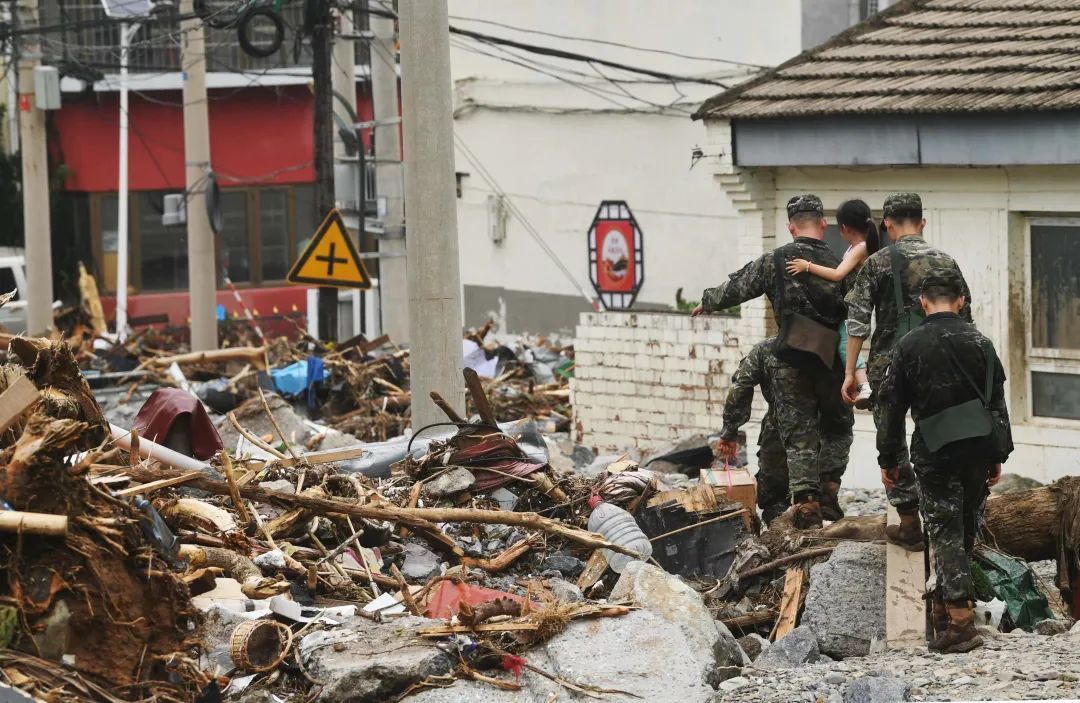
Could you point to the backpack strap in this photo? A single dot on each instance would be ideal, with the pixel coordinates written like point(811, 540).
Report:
point(991, 358)
point(898, 286)
point(778, 264)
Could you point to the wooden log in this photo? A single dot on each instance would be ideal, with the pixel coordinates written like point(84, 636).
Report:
point(418, 518)
point(750, 620)
point(1026, 524)
point(256, 356)
point(16, 400)
point(479, 397)
point(503, 561)
point(45, 524)
point(148, 488)
point(326, 456)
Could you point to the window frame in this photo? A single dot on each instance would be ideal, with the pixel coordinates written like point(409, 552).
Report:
point(1044, 359)
point(252, 199)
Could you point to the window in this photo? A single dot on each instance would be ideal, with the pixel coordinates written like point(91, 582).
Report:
point(263, 231)
point(1054, 288)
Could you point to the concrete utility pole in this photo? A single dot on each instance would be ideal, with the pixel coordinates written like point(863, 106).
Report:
point(343, 78)
point(431, 209)
point(393, 285)
point(322, 37)
point(202, 262)
point(35, 181)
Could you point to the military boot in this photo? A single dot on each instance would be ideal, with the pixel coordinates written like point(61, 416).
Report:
point(960, 636)
point(940, 613)
point(830, 503)
point(772, 511)
point(908, 534)
point(807, 512)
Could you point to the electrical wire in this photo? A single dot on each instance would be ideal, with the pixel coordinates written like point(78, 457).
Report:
point(473, 159)
point(608, 43)
point(574, 56)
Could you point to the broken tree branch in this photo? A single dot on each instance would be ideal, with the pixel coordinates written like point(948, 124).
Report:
point(276, 426)
point(419, 518)
point(777, 563)
point(33, 523)
point(252, 438)
point(256, 356)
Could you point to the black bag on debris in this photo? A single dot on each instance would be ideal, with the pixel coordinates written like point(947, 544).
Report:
point(802, 342)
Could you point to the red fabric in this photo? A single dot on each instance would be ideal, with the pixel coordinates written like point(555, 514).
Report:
point(159, 412)
point(446, 598)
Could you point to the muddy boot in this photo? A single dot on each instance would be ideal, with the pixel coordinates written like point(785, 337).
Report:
point(908, 534)
point(773, 511)
point(961, 635)
point(830, 503)
point(807, 512)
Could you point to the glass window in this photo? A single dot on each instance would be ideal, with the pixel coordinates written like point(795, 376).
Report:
point(1055, 286)
point(234, 236)
point(274, 231)
point(306, 219)
point(834, 240)
point(1056, 395)
point(163, 250)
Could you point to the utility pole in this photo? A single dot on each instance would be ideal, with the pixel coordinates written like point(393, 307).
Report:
point(393, 285)
point(431, 208)
point(37, 228)
point(322, 37)
point(202, 261)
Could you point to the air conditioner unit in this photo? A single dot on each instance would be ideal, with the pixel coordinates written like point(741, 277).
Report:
point(174, 210)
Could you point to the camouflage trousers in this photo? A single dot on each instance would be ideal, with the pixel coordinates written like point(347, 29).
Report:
point(905, 493)
point(772, 474)
point(952, 503)
point(814, 425)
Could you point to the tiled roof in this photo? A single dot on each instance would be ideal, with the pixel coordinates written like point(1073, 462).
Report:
point(927, 56)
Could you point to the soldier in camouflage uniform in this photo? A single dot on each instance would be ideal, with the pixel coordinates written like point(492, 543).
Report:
point(934, 367)
point(874, 291)
point(813, 422)
point(757, 369)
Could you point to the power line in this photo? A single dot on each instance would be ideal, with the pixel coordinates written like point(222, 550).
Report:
point(608, 43)
point(516, 212)
point(573, 56)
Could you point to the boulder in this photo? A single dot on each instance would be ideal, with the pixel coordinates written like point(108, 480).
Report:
point(798, 647)
point(845, 604)
point(453, 481)
point(1013, 483)
point(420, 564)
point(876, 689)
point(753, 644)
point(669, 597)
point(366, 662)
point(568, 566)
point(1052, 627)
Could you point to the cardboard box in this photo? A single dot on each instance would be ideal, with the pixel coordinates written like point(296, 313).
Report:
point(734, 484)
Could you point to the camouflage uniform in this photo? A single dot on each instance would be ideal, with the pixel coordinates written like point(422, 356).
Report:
point(873, 290)
point(813, 422)
point(922, 376)
point(757, 369)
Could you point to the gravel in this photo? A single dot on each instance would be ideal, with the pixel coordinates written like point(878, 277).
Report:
point(863, 501)
point(1014, 666)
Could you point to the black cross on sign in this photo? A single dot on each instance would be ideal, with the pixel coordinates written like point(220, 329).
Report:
point(331, 259)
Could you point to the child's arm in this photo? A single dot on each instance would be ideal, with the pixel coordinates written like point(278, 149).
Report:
point(849, 264)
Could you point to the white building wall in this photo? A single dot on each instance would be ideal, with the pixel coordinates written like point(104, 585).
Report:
point(558, 149)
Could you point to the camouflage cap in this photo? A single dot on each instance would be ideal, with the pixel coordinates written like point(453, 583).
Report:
point(945, 280)
point(807, 202)
point(903, 205)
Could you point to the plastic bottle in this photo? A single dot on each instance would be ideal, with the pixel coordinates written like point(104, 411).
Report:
point(620, 527)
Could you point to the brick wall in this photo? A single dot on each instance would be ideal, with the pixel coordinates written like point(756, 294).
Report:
point(644, 379)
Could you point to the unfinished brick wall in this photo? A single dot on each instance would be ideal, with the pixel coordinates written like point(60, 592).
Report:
point(644, 379)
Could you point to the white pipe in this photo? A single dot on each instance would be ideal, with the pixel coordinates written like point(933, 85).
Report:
point(126, 33)
point(156, 452)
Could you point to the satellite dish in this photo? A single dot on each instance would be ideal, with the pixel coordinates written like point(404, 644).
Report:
point(127, 9)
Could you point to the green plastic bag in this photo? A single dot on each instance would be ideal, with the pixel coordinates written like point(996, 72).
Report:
point(9, 625)
point(996, 575)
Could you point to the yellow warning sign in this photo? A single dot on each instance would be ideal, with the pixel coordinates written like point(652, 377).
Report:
point(331, 259)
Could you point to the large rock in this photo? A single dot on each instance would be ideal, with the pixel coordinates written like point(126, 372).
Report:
point(453, 481)
point(796, 648)
point(845, 605)
point(366, 662)
point(669, 651)
point(876, 689)
point(673, 600)
point(420, 564)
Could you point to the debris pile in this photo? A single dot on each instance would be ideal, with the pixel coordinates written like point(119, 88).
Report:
point(229, 541)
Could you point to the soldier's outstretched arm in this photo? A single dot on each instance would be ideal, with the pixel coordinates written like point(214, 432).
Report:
point(747, 283)
point(740, 396)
